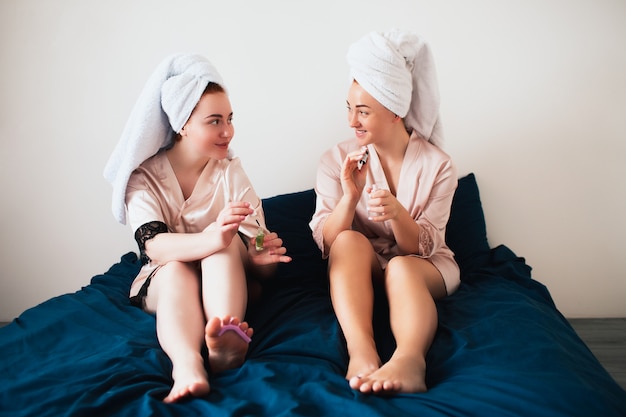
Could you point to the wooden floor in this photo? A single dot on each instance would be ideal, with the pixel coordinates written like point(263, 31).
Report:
point(606, 338)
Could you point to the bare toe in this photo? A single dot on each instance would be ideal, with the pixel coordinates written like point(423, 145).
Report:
point(402, 374)
point(190, 380)
point(197, 389)
point(362, 363)
point(228, 349)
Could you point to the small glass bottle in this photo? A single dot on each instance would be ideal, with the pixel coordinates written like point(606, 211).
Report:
point(260, 237)
point(370, 214)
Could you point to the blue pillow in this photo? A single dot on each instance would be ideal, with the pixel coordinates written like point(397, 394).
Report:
point(466, 233)
point(289, 216)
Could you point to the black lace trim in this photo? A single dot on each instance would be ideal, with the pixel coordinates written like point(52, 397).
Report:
point(146, 232)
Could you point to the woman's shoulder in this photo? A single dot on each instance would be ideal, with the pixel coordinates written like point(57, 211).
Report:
point(154, 162)
point(232, 169)
point(429, 150)
point(232, 163)
point(153, 167)
point(431, 158)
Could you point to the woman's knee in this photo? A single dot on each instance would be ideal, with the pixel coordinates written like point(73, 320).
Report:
point(349, 240)
point(398, 265)
point(235, 252)
point(353, 253)
point(419, 271)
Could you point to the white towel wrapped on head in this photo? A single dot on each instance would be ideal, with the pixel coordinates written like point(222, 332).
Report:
point(163, 107)
point(397, 69)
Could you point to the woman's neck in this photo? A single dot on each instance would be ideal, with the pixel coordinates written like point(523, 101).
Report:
point(187, 168)
point(184, 160)
point(393, 148)
point(391, 155)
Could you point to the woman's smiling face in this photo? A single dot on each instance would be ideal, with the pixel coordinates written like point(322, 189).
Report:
point(210, 128)
point(371, 121)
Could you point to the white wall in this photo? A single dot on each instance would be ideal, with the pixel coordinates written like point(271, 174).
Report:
point(534, 102)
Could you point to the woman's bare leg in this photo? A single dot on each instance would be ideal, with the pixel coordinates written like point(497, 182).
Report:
point(412, 285)
point(351, 261)
point(174, 294)
point(225, 296)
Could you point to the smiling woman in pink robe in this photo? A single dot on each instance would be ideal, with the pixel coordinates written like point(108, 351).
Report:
point(383, 202)
point(428, 180)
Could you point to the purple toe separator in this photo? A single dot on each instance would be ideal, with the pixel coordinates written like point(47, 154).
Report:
point(236, 329)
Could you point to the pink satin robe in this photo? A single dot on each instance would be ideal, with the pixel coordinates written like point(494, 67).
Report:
point(428, 180)
point(153, 194)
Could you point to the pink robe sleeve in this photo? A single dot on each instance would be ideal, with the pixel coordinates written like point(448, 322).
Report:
point(328, 190)
point(435, 211)
point(241, 189)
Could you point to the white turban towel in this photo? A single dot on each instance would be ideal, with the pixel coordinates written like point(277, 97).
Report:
point(397, 69)
point(163, 107)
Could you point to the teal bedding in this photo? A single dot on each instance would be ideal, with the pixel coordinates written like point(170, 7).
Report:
point(501, 349)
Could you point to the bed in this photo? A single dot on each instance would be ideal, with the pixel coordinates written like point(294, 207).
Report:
point(501, 349)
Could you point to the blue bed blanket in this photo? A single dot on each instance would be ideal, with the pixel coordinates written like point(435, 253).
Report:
point(501, 349)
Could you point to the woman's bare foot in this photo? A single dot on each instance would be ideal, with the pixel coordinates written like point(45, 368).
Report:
point(228, 350)
point(363, 362)
point(406, 374)
point(190, 380)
